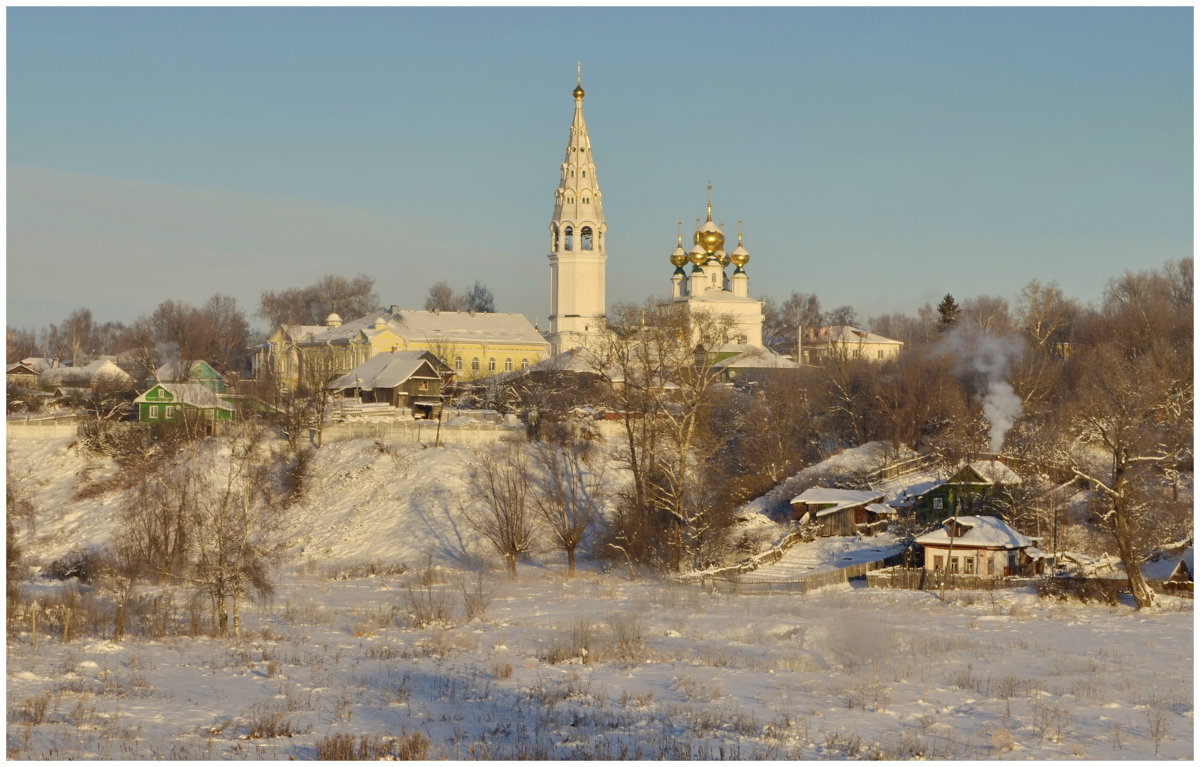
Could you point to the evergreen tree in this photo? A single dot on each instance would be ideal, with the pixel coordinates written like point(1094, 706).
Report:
point(948, 312)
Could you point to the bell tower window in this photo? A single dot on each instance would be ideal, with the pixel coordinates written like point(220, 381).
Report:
point(555, 231)
point(585, 238)
point(569, 235)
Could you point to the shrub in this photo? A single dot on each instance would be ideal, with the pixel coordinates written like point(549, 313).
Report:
point(342, 747)
point(82, 564)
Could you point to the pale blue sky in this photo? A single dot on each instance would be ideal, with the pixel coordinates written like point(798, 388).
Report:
point(880, 157)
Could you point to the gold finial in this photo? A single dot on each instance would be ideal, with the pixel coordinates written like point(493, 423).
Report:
point(739, 231)
point(578, 92)
point(680, 222)
point(710, 200)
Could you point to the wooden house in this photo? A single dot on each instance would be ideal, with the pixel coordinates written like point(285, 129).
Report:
point(171, 402)
point(983, 546)
point(966, 487)
point(841, 512)
point(410, 381)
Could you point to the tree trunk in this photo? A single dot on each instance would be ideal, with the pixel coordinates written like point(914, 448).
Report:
point(511, 561)
point(1142, 593)
point(570, 561)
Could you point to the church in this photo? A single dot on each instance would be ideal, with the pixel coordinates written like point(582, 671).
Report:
point(578, 254)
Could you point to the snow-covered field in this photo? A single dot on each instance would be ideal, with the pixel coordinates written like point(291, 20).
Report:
point(603, 668)
point(595, 667)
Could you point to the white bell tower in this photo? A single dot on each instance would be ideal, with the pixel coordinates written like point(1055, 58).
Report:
point(577, 242)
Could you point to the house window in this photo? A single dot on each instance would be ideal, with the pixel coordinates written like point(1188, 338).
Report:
point(492, 364)
point(880, 354)
point(423, 386)
point(937, 504)
point(170, 413)
point(458, 363)
point(508, 363)
point(153, 411)
point(969, 565)
point(475, 364)
point(524, 363)
point(954, 564)
point(937, 562)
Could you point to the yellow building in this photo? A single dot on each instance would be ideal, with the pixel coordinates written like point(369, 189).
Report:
point(471, 344)
point(845, 342)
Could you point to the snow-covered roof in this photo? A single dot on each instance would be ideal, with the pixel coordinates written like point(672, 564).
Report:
point(38, 364)
point(1163, 568)
point(195, 395)
point(750, 356)
point(383, 371)
point(986, 532)
point(994, 473)
point(880, 508)
point(447, 327)
point(494, 327)
point(174, 370)
point(101, 368)
point(842, 499)
point(845, 334)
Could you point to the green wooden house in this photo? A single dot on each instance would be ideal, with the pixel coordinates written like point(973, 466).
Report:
point(199, 372)
point(965, 490)
point(170, 402)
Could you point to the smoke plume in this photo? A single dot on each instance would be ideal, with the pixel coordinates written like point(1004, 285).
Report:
point(987, 360)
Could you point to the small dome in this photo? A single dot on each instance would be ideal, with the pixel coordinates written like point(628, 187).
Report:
point(740, 256)
point(333, 320)
point(722, 256)
point(698, 255)
point(678, 257)
point(578, 93)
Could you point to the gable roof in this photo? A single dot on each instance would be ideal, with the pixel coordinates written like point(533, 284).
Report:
point(385, 371)
point(195, 395)
point(842, 499)
point(984, 532)
point(989, 472)
point(172, 371)
point(422, 326)
point(100, 368)
point(744, 356)
point(845, 334)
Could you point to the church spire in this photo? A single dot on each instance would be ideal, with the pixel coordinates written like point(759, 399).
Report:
point(577, 239)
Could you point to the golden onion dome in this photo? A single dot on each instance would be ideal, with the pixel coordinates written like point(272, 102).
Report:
point(698, 255)
point(723, 257)
point(678, 257)
point(740, 256)
point(710, 237)
point(578, 93)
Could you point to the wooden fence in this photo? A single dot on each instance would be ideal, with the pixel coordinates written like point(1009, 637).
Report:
point(738, 585)
point(1095, 588)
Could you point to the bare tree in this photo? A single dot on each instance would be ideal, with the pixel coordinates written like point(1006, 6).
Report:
point(568, 493)
point(1043, 313)
point(988, 313)
point(659, 362)
point(500, 508)
point(349, 297)
point(1132, 426)
point(204, 518)
point(441, 298)
point(73, 338)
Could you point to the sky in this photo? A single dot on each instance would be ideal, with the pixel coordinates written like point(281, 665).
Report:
point(879, 157)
